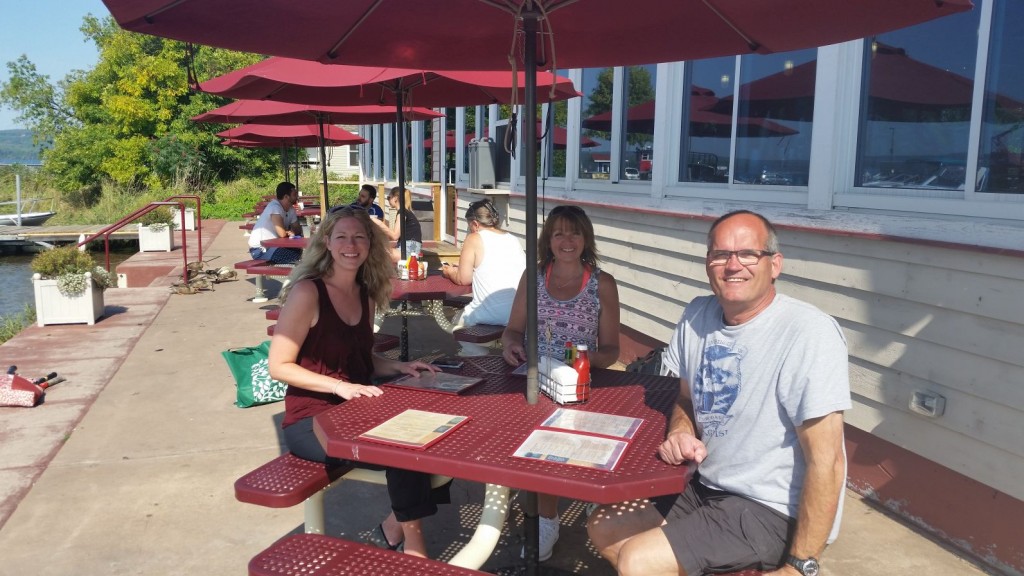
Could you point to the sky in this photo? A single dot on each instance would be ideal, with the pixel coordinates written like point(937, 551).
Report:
point(47, 31)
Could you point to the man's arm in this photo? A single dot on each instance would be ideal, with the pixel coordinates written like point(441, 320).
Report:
point(681, 444)
point(278, 221)
point(821, 440)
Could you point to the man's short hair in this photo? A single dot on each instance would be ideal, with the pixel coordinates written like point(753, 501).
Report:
point(771, 242)
point(284, 189)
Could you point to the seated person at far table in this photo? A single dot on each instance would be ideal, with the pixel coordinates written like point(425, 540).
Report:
point(278, 220)
point(322, 349)
point(364, 200)
point(576, 302)
point(413, 234)
point(764, 381)
point(492, 260)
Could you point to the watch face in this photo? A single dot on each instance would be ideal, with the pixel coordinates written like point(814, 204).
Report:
point(810, 567)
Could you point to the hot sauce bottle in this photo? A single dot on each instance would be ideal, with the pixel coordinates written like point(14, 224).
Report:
point(582, 367)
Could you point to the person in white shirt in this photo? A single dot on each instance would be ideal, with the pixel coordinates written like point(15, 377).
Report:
point(278, 220)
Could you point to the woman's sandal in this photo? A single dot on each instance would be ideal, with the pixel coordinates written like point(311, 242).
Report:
point(379, 539)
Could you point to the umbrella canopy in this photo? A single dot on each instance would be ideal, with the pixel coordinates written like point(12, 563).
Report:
point(305, 82)
point(476, 35)
point(285, 113)
point(465, 34)
point(307, 135)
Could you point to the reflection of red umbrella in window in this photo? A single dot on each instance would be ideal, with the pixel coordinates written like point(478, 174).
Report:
point(703, 123)
point(901, 89)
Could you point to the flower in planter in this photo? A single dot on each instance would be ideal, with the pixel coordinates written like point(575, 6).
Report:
point(68, 266)
point(157, 219)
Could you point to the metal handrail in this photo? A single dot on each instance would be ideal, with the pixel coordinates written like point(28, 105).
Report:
point(108, 230)
point(199, 217)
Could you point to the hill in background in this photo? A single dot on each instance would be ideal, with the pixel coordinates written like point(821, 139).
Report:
point(16, 147)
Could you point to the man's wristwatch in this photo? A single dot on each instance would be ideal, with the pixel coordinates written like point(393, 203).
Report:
point(808, 567)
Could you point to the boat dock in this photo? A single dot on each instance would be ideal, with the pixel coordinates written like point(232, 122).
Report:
point(50, 235)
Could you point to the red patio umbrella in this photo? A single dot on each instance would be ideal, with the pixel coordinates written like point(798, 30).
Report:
point(286, 113)
point(300, 81)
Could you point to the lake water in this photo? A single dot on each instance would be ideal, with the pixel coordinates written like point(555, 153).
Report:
point(16, 279)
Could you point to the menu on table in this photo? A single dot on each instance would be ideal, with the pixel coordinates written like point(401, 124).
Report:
point(415, 429)
point(579, 438)
point(443, 382)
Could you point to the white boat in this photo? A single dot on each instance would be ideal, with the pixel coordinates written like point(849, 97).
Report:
point(20, 217)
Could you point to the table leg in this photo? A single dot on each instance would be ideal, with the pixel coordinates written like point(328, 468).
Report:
point(531, 525)
point(261, 296)
point(488, 531)
point(404, 349)
point(436, 309)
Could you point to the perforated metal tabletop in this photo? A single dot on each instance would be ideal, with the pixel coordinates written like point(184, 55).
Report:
point(500, 419)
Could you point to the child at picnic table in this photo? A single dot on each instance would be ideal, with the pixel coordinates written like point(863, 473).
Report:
point(323, 350)
point(576, 302)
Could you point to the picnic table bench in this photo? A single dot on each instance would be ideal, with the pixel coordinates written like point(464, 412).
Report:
point(309, 553)
point(261, 268)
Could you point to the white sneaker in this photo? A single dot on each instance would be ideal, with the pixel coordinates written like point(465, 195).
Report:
point(548, 537)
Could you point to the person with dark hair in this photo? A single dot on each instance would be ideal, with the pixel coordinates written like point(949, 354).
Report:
point(322, 349)
point(576, 302)
point(764, 381)
point(365, 200)
point(278, 220)
point(492, 260)
point(413, 234)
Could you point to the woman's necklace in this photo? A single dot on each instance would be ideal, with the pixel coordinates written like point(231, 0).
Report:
point(559, 285)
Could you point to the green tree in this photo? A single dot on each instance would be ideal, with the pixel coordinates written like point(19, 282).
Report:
point(118, 120)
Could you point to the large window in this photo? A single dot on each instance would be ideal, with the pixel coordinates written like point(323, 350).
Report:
point(1001, 154)
point(916, 105)
point(706, 128)
point(637, 154)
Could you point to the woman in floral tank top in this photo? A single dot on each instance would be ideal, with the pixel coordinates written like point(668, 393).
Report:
point(576, 302)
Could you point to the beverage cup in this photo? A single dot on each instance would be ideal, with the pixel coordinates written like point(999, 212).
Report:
point(403, 270)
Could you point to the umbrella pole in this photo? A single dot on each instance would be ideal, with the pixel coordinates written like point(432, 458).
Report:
point(284, 161)
point(323, 170)
point(532, 523)
point(400, 142)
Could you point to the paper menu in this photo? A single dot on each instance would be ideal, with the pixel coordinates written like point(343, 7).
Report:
point(414, 429)
point(579, 438)
point(593, 423)
point(575, 449)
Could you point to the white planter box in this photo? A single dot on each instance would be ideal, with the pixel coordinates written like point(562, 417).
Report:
point(52, 307)
point(155, 240)
point(190, 219)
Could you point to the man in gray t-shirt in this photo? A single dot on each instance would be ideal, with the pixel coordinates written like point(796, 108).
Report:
point(763, 383)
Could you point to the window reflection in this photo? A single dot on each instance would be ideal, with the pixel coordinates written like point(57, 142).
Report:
point(555, 139)
point(705, 143)
point(1001, 155)
point(916, 117)
point(597, 88)
point(775, 113)
point(639, 122)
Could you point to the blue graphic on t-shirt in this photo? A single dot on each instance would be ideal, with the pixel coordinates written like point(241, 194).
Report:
point(718, 384)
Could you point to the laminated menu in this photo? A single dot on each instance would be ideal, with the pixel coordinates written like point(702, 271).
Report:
point(443, 382)
point(579, 438)
point(415, 429)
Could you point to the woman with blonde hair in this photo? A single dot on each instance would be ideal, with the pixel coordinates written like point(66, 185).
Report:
point(323, 350)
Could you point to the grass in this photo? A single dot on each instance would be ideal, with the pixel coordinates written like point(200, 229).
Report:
point(11, 324)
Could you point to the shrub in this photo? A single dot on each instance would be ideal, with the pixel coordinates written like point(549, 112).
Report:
point(67, 265)
point(156, 218)
point(11, 324)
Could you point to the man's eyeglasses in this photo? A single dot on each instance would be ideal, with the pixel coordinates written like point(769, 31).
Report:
point(744, 257)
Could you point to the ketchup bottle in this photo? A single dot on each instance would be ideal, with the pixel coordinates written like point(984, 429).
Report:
point(582, 367)
point(414, 268)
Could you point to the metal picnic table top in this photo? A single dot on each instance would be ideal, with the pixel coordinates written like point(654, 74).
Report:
point(500, 419)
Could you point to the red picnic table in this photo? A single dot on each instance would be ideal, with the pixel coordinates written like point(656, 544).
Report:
point(299, 243)
point(433, 290)
point(500, 419)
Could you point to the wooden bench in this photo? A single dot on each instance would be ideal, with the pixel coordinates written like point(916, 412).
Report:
point(315, 553)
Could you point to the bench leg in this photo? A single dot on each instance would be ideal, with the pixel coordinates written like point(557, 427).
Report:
point(492, 518)
point(314, 512)
point(436, 309)
point(261, 296)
